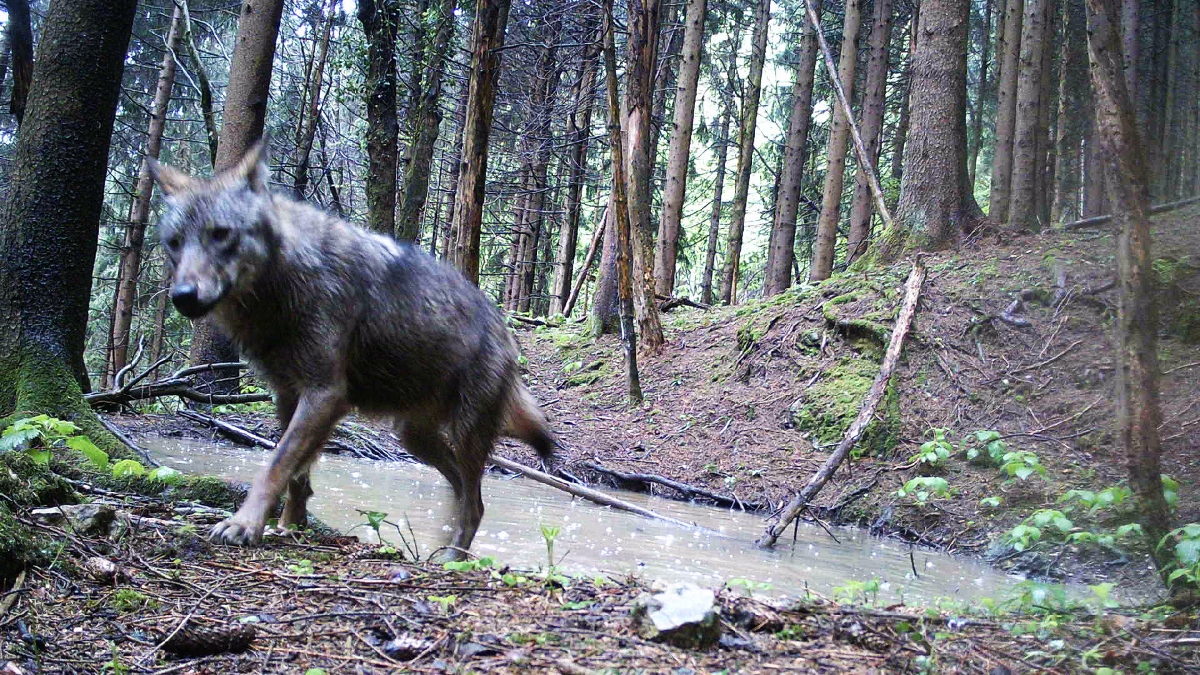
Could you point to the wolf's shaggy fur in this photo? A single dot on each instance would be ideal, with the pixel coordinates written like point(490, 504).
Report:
point(338, 318)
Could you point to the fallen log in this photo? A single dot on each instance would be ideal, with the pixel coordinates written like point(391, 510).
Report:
point(594, 496)
point(178, 384)
point(912, 293)
point(667, 303)
point(1097, 221)
point(688, 491)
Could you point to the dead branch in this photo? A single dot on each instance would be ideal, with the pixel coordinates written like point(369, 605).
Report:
point(594, 496)
point(1097, 221)
point(912, 293)
point(688, 491)
point(587, 262)
point(138, 450)
point(179, 384)
point(667, 304)
point(230, 431)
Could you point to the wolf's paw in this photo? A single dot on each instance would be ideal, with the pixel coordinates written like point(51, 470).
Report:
point(236, 532)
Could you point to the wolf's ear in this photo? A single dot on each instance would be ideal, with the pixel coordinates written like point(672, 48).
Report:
point(254, 167)
point(169, 179)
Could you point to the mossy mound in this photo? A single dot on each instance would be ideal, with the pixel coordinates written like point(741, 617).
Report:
point(829, 407)
point(28, 483)
point(19, 547)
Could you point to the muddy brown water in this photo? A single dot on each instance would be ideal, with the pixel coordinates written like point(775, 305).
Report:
point(600, 540)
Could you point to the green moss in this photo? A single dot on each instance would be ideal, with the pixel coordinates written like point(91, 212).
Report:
point(19, 547)
point(829, 407)
point(28, 483)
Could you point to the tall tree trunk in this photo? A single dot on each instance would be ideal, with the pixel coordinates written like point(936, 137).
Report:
point(605, 314)
point(644, 18)
point(449, 232)
point(976, 139)
point(312, 116)
point(49, 225)
point(714, 224)
point(639, 35)
point(1156, 94)
point(1006, 112)
point(1131, 20)
point(1022, 205)
point(1173, 129)
point(781, 251)
point(579, 129)
point(491, 19)
point(202, 83)
point(541, 143)
point(749, 121)
point(135, 233)
point(666, 250)
point(861, 208)
point(1047, 103)
point(901, 137)
point(242, 125)
point(1072, 97)
point(839, 137)
point(428, 124)
point(936, 203)
point(380, 20)
point(1137, 310)
point(20, 46)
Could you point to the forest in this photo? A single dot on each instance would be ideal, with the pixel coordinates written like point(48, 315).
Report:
point(913, 283)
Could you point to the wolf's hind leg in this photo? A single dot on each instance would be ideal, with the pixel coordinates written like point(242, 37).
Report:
point(316, 414)
point(471, 449)
point(295, 506)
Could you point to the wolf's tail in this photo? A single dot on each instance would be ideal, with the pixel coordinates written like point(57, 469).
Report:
point(526, 422)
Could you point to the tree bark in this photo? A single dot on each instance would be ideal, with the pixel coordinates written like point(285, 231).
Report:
point(644, 16)
point(380, 20)
point(242, 125)
point(749, 121)
point(861, 208)
point(1022, 205)
point(1006, 112)
point(1131, 11)
point(312, 116)
point(428, 123)
point(900, 139)
point(1138, 409)
point(620, 207)
point(714, 222)
point(674, 194)
point(936, 203)
point(976, 139)
point(1072, 97)
point(20, 46)
point(781, 250)
point(130, 264)
point(579, 130)
point(202, 83)
point(839, 137)
point(491, 20)
point(449, 232)
point(50, 223)
point(606, 302)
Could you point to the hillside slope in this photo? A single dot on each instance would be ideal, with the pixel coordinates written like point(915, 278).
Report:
point(747, 401)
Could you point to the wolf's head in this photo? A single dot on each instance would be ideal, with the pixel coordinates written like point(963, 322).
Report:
point(217, 232)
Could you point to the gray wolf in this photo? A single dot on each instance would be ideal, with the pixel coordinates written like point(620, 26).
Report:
point(337, 318)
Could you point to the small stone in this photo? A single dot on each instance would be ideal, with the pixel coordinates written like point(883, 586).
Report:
point(683, 615)
point(93, 519)
point(101, 570)
point(405, 647)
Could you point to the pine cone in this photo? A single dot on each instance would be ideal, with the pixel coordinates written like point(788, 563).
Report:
point(195, 640)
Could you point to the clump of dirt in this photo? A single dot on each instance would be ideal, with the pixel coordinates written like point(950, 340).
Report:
point(1012, 336)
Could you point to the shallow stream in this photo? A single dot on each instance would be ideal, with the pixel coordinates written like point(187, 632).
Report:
point(596, 539)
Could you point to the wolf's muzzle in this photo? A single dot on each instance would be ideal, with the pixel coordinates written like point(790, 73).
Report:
point(186, 298)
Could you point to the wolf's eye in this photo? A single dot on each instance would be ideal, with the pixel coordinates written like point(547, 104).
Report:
point(174, 243)
point(220, 233)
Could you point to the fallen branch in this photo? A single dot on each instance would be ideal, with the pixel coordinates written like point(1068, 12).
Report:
point(587, 262)
point(178, 384)
point(912, 293)
point(1097, 221)
point(688, 491)
point(594, 496)
point(231, 431)
point(667, 304)
point(145, 457)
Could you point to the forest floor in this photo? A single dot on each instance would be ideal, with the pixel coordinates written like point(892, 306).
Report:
point(745, 402)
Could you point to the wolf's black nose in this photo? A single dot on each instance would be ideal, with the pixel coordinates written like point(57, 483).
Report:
point(186, 298)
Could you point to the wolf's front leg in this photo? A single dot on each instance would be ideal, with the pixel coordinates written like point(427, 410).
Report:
point(316, 414)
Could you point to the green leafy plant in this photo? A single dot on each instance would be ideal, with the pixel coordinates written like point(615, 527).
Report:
point(302, 567)
point(446, 601)
point(39, 434)
point(1109, 497)
point(992, 501)
point(1021, 464)
point(128, 600)
point(989, 445)
point(935, 452)
point(922, 488)
point(1170, 492)
point(747, 586)
point(1043, 522)
point(1186, 550)
point(469, 565)
point(857, 591)
point(550, 534)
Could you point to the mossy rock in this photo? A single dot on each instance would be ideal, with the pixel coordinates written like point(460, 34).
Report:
point(28, 483)
point(830, 406)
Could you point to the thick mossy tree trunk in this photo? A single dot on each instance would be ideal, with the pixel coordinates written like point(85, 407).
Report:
point(936, 202)
point(380, 19)
point(50, 224)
